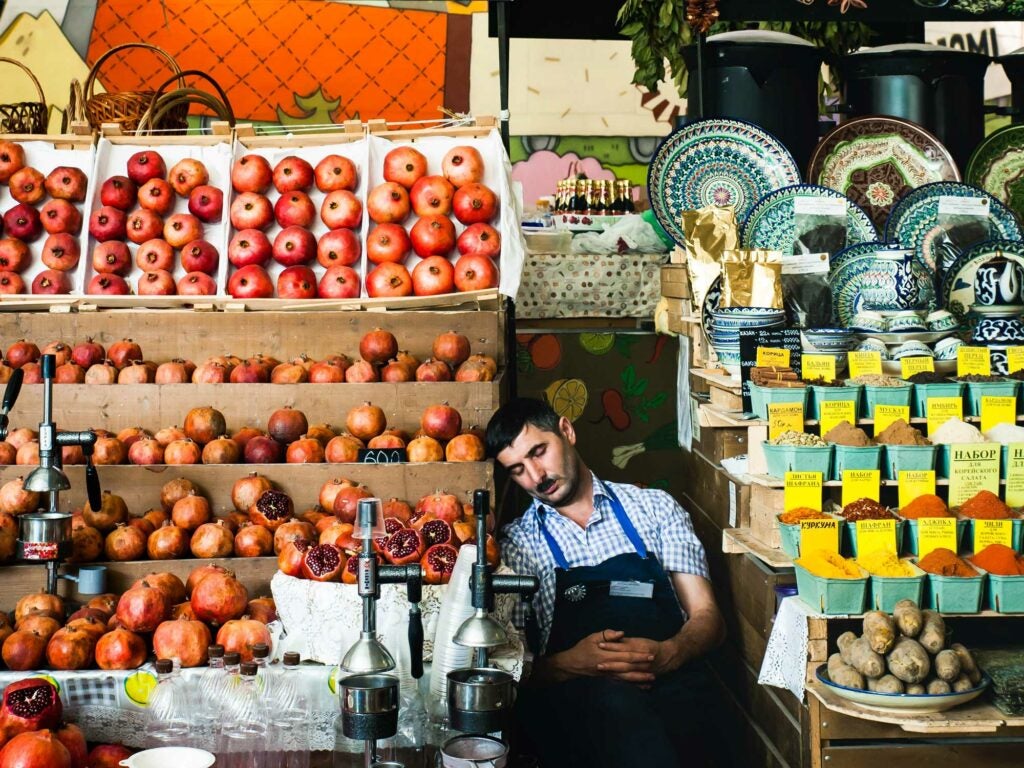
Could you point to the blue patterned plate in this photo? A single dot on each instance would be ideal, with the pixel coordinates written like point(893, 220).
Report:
point(771, 223)
point(715, 162)
point(914, 222)
point(872, 283)
point(958, 284)
point(859, 251)
point(710, 306)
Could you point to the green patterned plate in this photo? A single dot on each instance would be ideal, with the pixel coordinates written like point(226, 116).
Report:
point(997, 166)
point(772, 222)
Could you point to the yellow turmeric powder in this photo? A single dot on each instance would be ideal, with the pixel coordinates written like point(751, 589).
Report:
point(829, 565)
point(883, 562)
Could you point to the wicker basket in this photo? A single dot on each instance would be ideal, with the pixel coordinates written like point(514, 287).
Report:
point(25, 116)
point(126, 108)
point(163, 104)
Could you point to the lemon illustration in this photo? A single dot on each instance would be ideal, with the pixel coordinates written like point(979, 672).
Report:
point(568, 397)
point(139, 686)
point(597, 343)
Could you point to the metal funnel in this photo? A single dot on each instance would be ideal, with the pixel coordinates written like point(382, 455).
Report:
point(47, 480)
point(480, 631)
point(367, 655)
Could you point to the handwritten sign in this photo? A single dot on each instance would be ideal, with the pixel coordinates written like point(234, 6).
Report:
point(864, 363)
point(382, 456)
point(973, 360)
point(834, 411)
point(819, 367)
point(992, 532)
point(972, 467)
point(885, 415)
point(860, 484)
point(819, 534)
point(772, 356)
point(936, 533)
point(911, 365)
point(875, 535)
point(785, 417)
point(997, 410)
point(803, 489)
point(939, 410)
point(1015, 474)
point(915, 482)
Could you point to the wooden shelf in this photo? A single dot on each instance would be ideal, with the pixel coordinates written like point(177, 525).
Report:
point(742, 541)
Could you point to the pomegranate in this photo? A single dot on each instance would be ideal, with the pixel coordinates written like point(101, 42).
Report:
point(305, 450)
point(263, 450)
point(21, 352)
point(343, 449)
point(347, 501)
point(378, 346)
point(191, 511)
point(289, 559)
point(272, 509)
point(204, 424)
point(361, 372)
point(145, 452)
point(441, 422)
point(176, 489)
point(286, 425)
point(245, 434)
point(184, 639)
point(39, 602)
point(182, 452)
point(387, 243)
point(330, 489)
point(35, 748)
point(385, 441)
point(396, 372)
point(157, 517)
point(443, 506)
point(15, 500)
point(437, 532)
point(182, 611)
point(109, 450)
point(169, 542)
point(474, 272)
point(463, 165)
point(125, 543)
point(254, 541)
point(403, 547)
point(404, 165)
point(142, 608)
point(71, 736)
point(86, 544)
point(218, 598)
point(290, 531)
point(122, 352)
point(438, 562)
point(432, 276)
point(222, 450)
point(322, 433)
point(167, 582)
point(108, 756)
point(473, 203)
point(323, 562)
point(480, 239)
point(340, 535)
point(200, 573)
point(398, 509)
point(23, 650)
point(262, 609)
point(106, 602)
point(40, 623)
point(424, 449)
point(388, 279)
point(432, 235)
point(433, 370)
point(239, 636)
point(465, 447)
point(70, 649)
point(121, 649)
point(28, 454)
point(451, 348)
point(246, 490)
point(212, 540)
point(366, 421)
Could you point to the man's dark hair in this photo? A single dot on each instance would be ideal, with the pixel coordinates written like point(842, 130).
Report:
point(509, 420)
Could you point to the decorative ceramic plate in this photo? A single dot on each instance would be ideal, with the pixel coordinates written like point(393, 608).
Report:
point(914, 223)
point(772, 222)
point(895, 339)
point(904, 702)
point(958, 285)
point(997, 166)
point(710, 306)
point(873, 283)
point(859, 251)
point(875, 161)
point(715, 162)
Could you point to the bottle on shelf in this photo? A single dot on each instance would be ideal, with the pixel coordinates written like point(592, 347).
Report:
point(578, 204)
point(243, 725)
point(208, 698)
point(626, 195)
point(169, 716)
point(289, 717)
point(261, 657)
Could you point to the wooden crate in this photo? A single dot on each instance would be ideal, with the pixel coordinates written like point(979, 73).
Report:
point(675, 283)
point(765, 505)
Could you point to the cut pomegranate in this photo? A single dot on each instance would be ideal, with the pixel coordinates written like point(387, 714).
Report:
point(403, 547)
point(323, 562)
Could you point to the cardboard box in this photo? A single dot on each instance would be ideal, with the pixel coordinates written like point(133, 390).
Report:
point(675, 282)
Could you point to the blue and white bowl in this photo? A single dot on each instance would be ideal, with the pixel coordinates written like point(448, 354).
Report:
point(946, 349)
point(828, 339)
point(940, 320)
point(871, 344)
point(734, 318)
point(1001, 330)
point(912, 349)
point(905, 322)
point(869, 322)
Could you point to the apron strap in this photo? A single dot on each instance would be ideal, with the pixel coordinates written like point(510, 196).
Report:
point(620, 514)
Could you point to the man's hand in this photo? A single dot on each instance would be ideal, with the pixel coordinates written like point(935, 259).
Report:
point(665, 656)
point(601, 654)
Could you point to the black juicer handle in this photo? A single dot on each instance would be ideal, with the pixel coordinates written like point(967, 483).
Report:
point(13, 390)
point(532, 629)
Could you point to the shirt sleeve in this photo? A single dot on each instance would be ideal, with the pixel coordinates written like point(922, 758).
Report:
point(681, 550)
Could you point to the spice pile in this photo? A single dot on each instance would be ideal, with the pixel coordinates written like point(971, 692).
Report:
point(1000, 560)
point(901, 433)
point(979, 378)
point(906, 652)
point(884, 563)
point(821, 381)
point(984, 505)
point(878, 380)
point(955, 431)
point(1006, 434)
point(945, 562)
point(926, 505)
point(865, 509)
point(844, 433)
point(795, 515)
point(802, 439)
point(928, 377)
point(828, 565)
point(776, 376)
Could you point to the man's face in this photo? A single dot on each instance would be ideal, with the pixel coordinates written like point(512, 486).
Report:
point(544, 463)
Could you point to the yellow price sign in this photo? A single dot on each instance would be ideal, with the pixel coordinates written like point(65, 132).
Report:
point(832, 412)
point(885, 415)
point(911, 365)
point(818, 367)
point(997, 410)
point(936, 533)
point(973, 360)
point(915, 482)
point(874, 535)
point(772, 357)
point(861, 484)
point(1014, 359)
point(819, 534)
point(864, 363)
point(785, 417)
point(939, 410)
point(803, 489)
point(992, 532)
point(1015, 474)
point(973, 467)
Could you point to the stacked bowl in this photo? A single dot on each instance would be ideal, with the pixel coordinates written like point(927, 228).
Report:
point(729, 321)
point(828, 341)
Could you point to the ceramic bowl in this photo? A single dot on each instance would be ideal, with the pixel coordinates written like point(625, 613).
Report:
point(912, 349)
point(945, 349)
point(734, 318)
point(903, 322)
point(871, 344)
point(940, 320)
point(1001, 330)
point(869, 321)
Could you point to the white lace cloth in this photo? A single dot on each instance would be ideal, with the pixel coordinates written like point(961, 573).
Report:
point(785, 659)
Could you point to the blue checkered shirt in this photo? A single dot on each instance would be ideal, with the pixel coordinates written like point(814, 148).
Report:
point(662, 523)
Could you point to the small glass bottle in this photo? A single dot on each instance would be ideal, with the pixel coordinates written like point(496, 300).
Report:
point(243, 728)
point(626, 195)
point(261, 657)
point(208, 698)
point(289, 717)
point(168, 718)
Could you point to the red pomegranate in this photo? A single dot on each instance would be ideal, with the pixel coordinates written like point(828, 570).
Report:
point(366, 421)
point(96, 626)
point(218, 598)
point(70, 649)
point(212, 540)
point(35, 749)
point(254, 540)
point(183, 611)
point(142, 608)
point(305, 450)
point(286, 425)
point(272, 509)
point(168, 542)
point(452, 348)
point(246, 490)
point(182, 639)
point(71, 736)
point(176, 489)
point(40, 623)
point(438, 532)
point(438, 562)
point(108, 756)
point(39, 602)
point(403, 547)
point(86, 544)
point(24, 650)
point(289, 559)
point(378, 346)
point(441, 422)
point(340, 535)
point(157, 517)
point(347, 502)
point(290, 531)
point(397, 509)
point(323, 562)
point(106, 602)
point(15, 500)
point(239, 636)
point(112, 511)
point(262, 609)
point(343, 449)
point(200, 573)
point(166, 582)
point(125, 543)
point(443, 506)
point(205, 424)
point(121, 649)
point(191, 511)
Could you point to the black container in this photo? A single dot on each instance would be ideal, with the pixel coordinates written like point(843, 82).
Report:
point(941, 89)
point(1013, 65)
point(769, 79)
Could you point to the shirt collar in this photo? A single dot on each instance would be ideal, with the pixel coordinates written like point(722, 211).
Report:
point(540, 512)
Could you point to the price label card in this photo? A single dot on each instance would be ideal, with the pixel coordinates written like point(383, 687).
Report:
point(997, 410)
point(992, 532)
point(873, 535)
point(911, 365)
point(818, 367)
point(770, 356)
point(864, 363)
point(976, 360)
point(861, 484)
point(885, 415)
point(834, 411)
point(914, 483)
point(1014, 359)
point(1015, 474)
point(783, 417)
point(803, 489)
point(972, 467)
point(819, 534)
point(939, 410)
point(936, 533)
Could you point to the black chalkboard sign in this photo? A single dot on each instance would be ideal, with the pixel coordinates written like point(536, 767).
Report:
point(775, 338)
point(382, 456)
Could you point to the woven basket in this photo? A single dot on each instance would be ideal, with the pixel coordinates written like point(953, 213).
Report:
point(125, 108)
point(25, 116)
point(163, 104)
